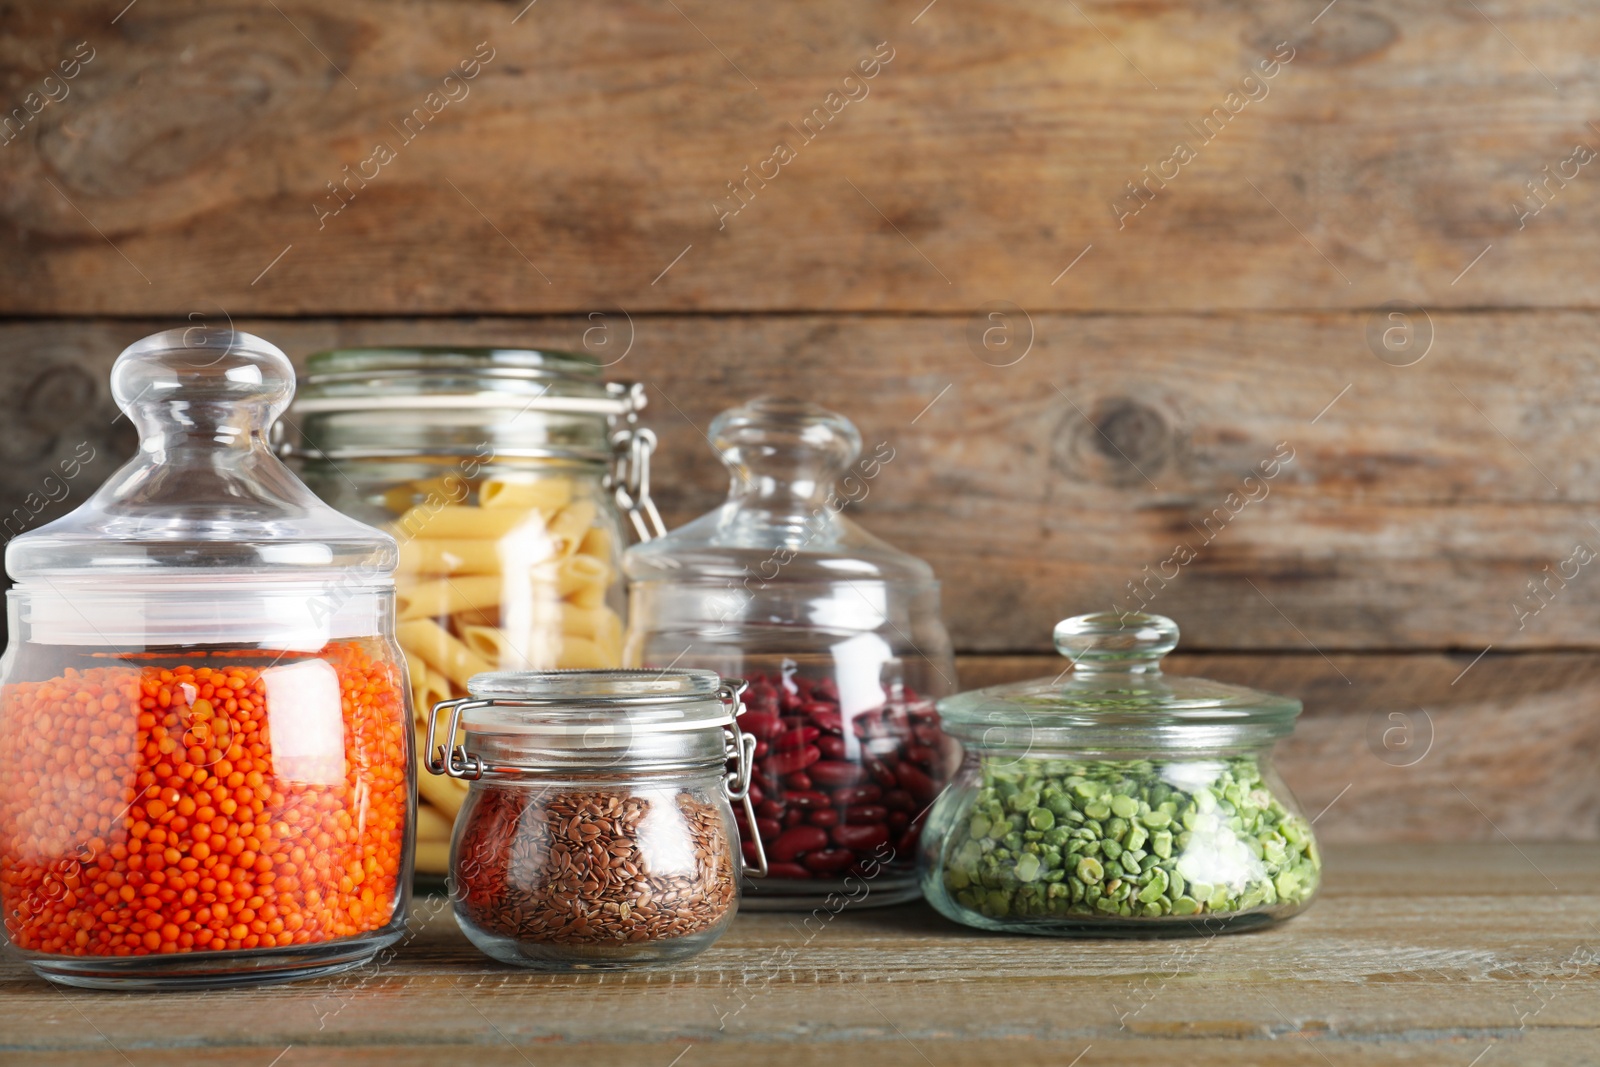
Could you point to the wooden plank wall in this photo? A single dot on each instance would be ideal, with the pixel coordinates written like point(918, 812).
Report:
point(1359, 235)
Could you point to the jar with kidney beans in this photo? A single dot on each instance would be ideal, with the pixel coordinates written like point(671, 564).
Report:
point(838, 635)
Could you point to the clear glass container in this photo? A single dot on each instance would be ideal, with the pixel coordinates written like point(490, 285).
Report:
point(207, 766)
point(1117, 801)
point(598, 831)
point(503, 474)
point(839, 637)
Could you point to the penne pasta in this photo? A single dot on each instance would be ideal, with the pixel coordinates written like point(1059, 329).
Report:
point(446, 794)
point(571, 524)
point(446, 596)
point(456, 520)
point(441, 651)
point(433, 857)
point(597, 542)
point(580, 653)
point(460, 555)
point(432, 826)
point(508, 572)
point(545, 494)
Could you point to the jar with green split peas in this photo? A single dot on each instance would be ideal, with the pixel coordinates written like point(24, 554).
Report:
point(1117, 801)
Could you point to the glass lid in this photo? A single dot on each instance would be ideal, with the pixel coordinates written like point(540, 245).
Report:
point(437, 376)
point(793, 468)
point(205, 496)
point(1115, 681)
point(576, 701)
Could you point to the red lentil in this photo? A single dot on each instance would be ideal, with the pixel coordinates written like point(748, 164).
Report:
point(141, 810)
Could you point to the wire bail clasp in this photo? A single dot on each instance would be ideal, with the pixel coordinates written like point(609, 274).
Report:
point(741, 749)
point(454, 761)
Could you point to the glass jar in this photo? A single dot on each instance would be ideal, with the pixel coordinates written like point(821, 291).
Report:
point(840, 639)
point(203, 722)
point(1117, 801)
point(597, 832)
point(500, 473)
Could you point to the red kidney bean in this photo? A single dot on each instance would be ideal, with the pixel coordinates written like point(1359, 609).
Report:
point(866, 813)
point(832, 773)
point(768, 828)
point(899, 800)
point(770, 809)
point(858, 794)
point(796, 840)
point(928, 733)
point(916, 782)
point(763, 725)
point(868, 725)
point(907, 845)
point(749, 848)
point(799, 737)
point(884, 775)
point(826, 817)
point(789, 762)
point(810, 799)
point(756, 794)
point(831, 747)
point(793, 722)
point(921, 754)
point(829, 860)
point(860, 837)
point(797, 780)
point(787, 870)
point(899, 820)
point(828, 720)
point(762, 748)
point(793, 817)
point(764, 780)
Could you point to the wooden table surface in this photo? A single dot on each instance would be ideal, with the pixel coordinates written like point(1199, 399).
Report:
point(1476, 955)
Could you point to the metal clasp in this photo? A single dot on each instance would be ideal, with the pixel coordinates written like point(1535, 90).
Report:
point(454, 760)
point(631, 449)
point(741, 748)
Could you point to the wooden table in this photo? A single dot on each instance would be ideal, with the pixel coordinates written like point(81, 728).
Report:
point(1485, 955)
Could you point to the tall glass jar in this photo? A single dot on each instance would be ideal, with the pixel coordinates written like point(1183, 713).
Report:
point(503, 474)
point(1114, 800)
point(205, 749)
point(598, 831)
point(839, 636)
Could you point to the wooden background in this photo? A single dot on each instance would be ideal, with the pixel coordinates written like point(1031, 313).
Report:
point(1135, 374)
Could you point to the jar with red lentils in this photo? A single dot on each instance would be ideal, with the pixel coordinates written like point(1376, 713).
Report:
point(205, 746)
point(839, 636)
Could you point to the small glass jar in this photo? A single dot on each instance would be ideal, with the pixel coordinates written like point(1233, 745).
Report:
point(1116, 801)
point(205, 749)
point(839, 636)
point(504, 475)
point(598, 831)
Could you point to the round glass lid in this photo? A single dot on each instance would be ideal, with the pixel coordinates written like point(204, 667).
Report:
point(1115, 679)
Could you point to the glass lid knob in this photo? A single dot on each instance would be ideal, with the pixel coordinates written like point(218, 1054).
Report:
point(1116, 641)
point(220, 385)
point(777, 447)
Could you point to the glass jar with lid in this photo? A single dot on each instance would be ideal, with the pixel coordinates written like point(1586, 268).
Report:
point(504, 475)
point(598, 831)
point(1116, 800)
point(206, 746)
point(839, 637)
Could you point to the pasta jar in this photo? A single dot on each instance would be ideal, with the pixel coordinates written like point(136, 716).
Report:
point(205, 750)
point(1118, 801)
point(503, 475)
point(598, 831)
point(839, 637)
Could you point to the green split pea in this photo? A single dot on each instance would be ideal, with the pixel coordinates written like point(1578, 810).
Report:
point(1127, 839)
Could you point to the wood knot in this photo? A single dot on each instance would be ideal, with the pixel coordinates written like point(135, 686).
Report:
point(1118, 441)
